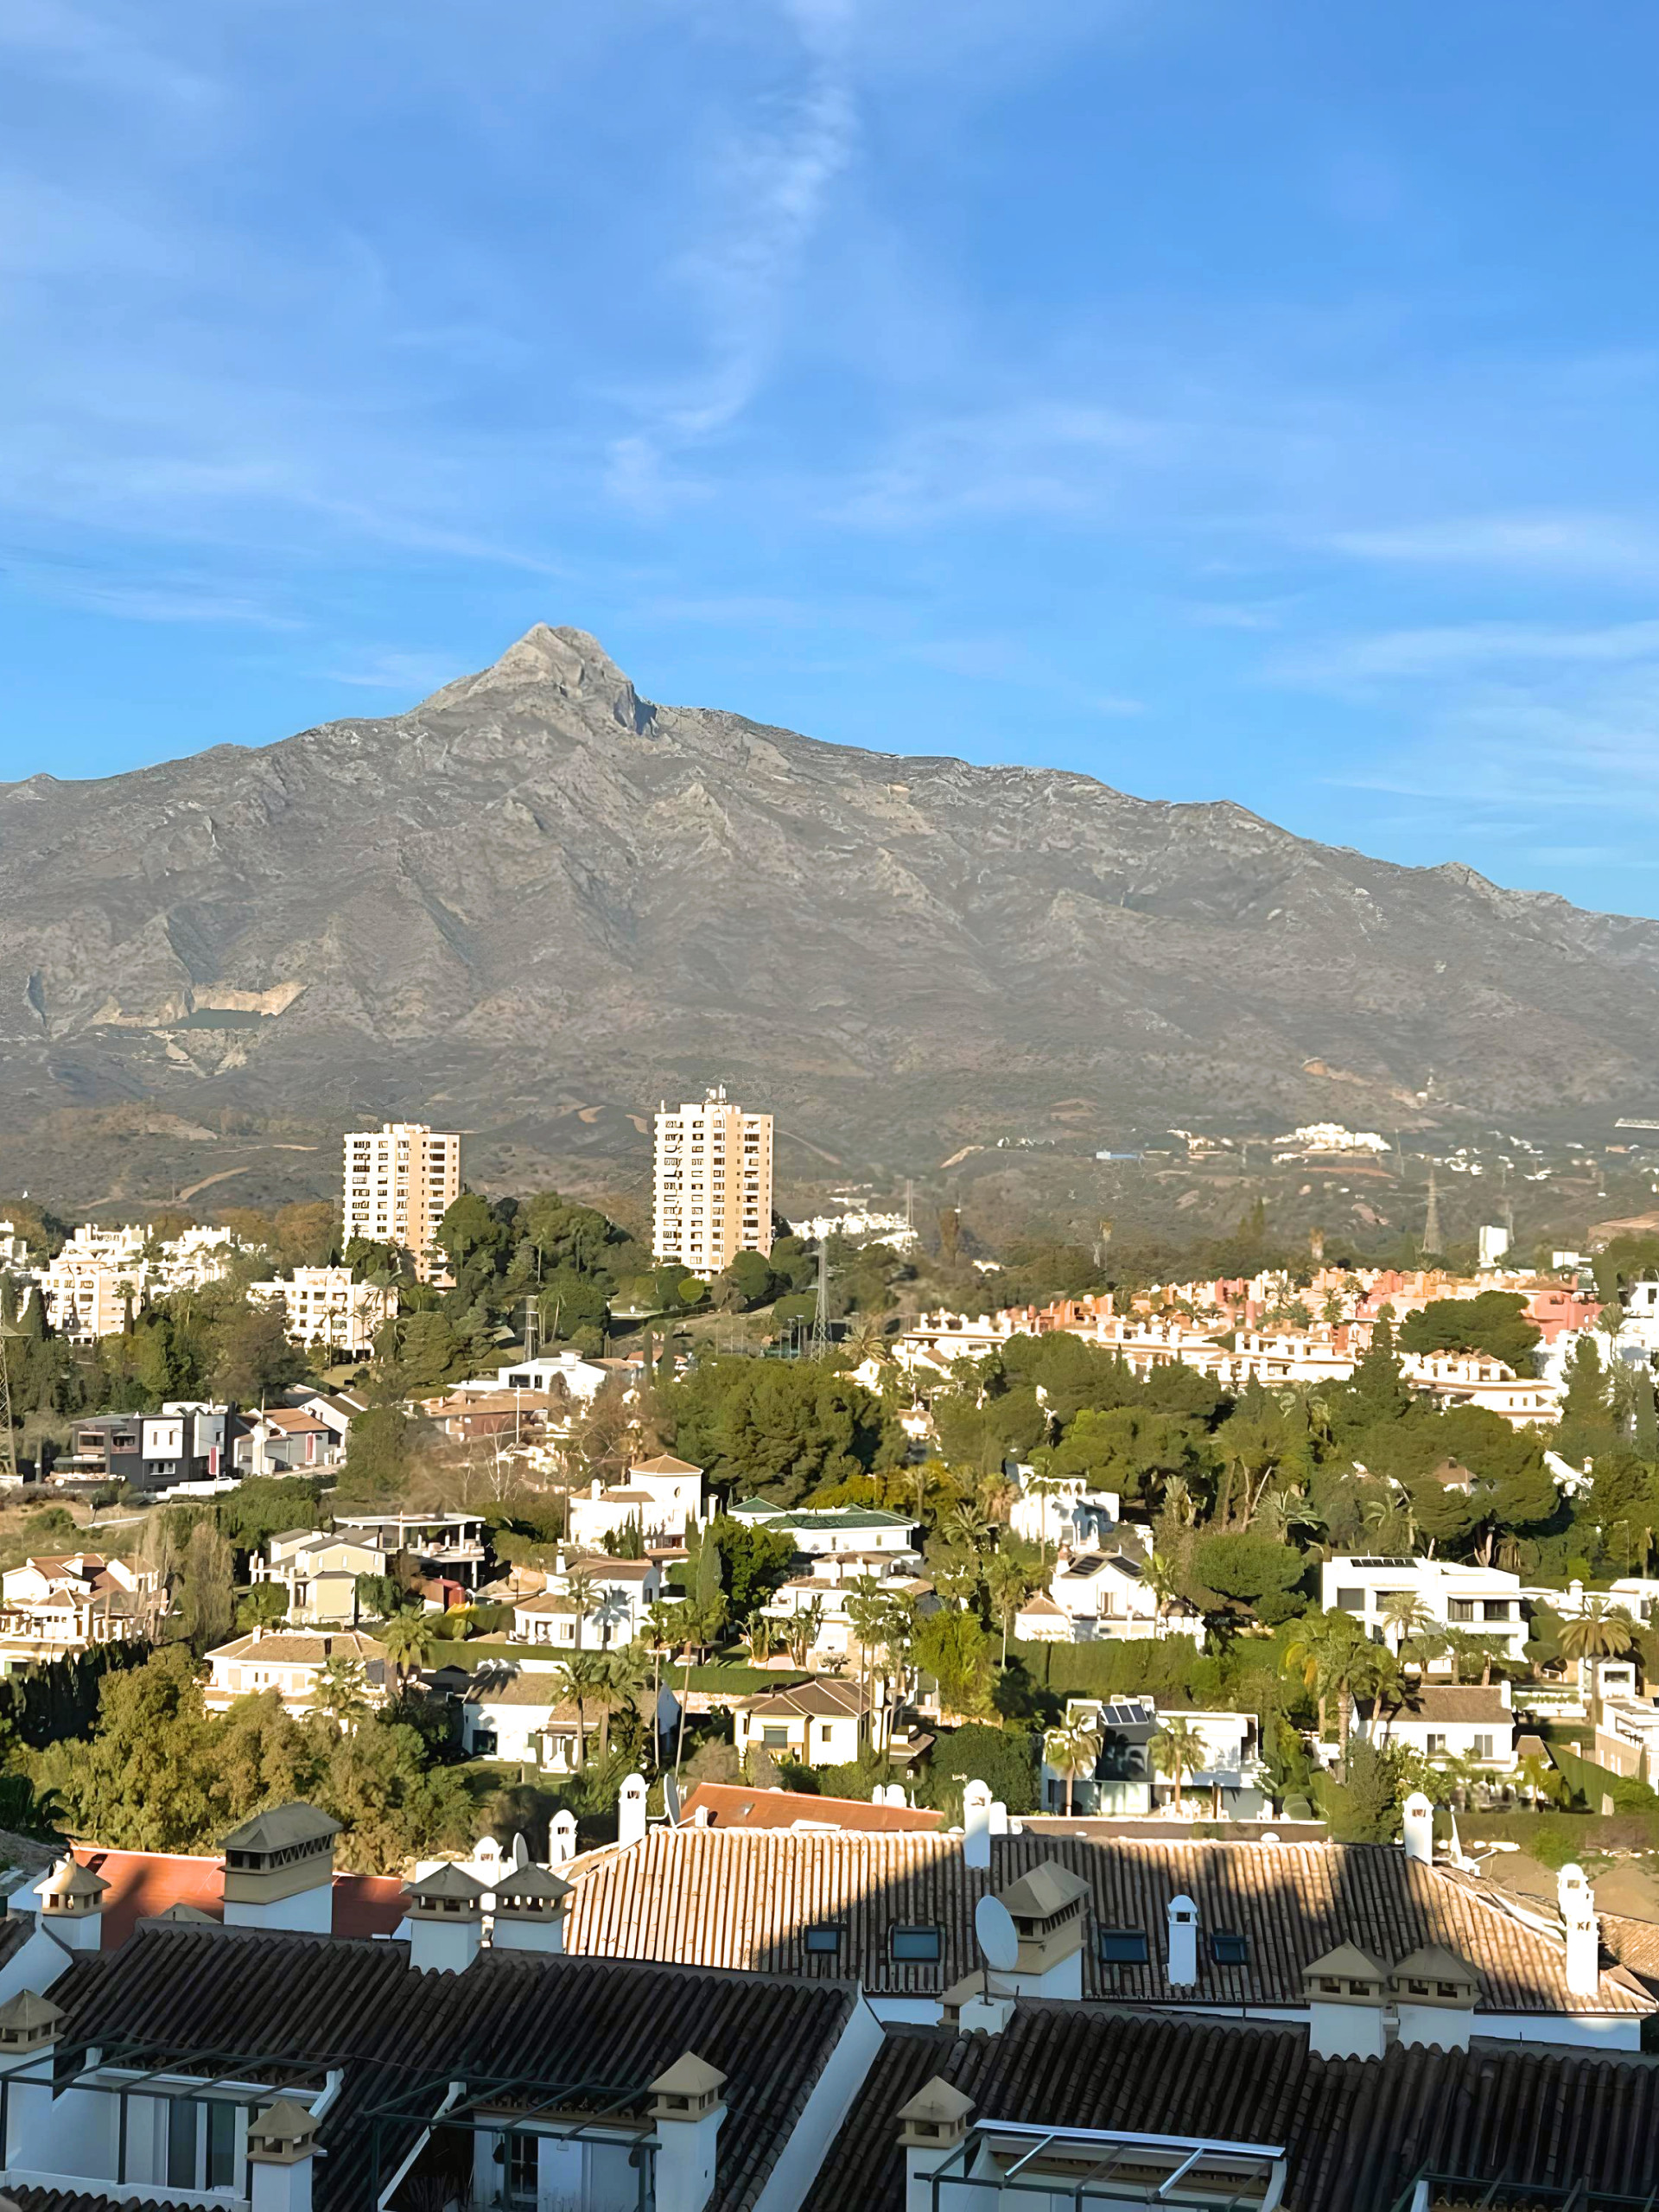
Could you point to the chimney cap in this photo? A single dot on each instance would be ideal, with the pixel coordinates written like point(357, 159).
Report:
point(69, 1878)
point(1046, 1889)
point(284, 2134)
point(28, 2015)
point(937, 2104)
point(446, 1885)
point(282, 1827)
point(1435, 1963)
point(689, 2076)
point(530, 1880)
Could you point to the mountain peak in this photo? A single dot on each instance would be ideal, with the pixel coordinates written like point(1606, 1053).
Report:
point(568, 663)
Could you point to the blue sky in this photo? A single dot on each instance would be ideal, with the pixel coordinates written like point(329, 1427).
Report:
point(1228, 400)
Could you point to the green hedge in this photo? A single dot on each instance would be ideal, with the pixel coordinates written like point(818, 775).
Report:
point(741, 1682)
point(1593, 1782)
point(1160, 1668)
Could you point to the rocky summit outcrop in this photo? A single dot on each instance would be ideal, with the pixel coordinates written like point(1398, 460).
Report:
point(537, 891)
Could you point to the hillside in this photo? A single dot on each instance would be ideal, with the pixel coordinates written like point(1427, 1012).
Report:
point(537, 895)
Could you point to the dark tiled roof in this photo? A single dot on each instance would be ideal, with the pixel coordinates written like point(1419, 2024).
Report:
point(715, 1896)
point(361, 2005)
point(1356, 2131)
point(75, 2200)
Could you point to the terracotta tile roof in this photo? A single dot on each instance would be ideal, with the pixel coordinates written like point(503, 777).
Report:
point(836, 1700)
point(361, 2007)
point(713, 1896)
point(288, 1648)
point(665, 1464)
point(1435, 1702)
point(143, 1884)
point(728, 1806)
point(1356, 2132)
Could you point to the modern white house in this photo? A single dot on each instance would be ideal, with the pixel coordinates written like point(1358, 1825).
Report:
point(1477, 1600)
point(1063, 1511)
point(1127, 1781)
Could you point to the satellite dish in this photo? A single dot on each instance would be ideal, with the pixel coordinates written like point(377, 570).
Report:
point(999, 1939)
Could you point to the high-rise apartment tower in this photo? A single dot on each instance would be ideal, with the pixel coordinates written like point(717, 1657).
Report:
point(400, 1181)
point(714, 1184)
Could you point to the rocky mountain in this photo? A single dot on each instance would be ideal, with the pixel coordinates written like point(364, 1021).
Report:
point(538, 893)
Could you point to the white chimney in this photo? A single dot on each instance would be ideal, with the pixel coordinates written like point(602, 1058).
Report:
point(30, 2028)
point(687, 2110)
point(1578, 1904)
point(1417, 1817)
point(561, 1838)
point(529, 1904)
point(1183, 1943)
point(72, 1904)
point(444, 1921)
point(631, 1810)
point(279, 1871)
point(977, 1825)
point(281, 2145)
point(934, 2123)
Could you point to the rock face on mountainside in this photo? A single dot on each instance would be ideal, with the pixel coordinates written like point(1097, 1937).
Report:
point(537, 890)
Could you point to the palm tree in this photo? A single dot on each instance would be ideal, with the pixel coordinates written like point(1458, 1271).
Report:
point(762, 1634)
point(1541, 1780)
point(1072, 1749)
point(865, 1342)
point(801, 1630)
point(1009, 1583)
point(408, 1640)
point(1404, 1612)
point(1327, 1655)
point(342, 1690)
point(965, 1524)
point(1158, 1576)
point(1600, 1631)
point(582, 1680)
point(583, 1592)
point(1177, 1751)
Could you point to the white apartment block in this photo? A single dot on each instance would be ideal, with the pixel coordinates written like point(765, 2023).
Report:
point(713, 1184)
point(400, 1181)
point(1478, 1600)
point(326, 1306)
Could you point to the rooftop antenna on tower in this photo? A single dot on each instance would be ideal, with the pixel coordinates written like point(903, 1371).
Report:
point(821, 1310)
point(1431, 1220)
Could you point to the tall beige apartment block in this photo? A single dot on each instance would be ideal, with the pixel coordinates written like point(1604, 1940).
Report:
point(400, 1180)
point(714, 1184)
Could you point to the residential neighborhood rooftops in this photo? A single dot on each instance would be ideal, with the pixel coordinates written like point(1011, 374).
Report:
point(361, 2009)
point(290, 1648)
point(1356, 2132)
point(721, 1897)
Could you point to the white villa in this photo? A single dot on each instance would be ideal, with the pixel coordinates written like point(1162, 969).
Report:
point(1479, 1600)
point(662, 1498)
point(1126, 1782)
point(1101, 1597)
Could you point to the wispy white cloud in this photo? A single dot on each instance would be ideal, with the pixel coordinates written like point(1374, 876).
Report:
point(1452, 648)
point(1589, 544)
point(102, 48)
point(404, 673)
